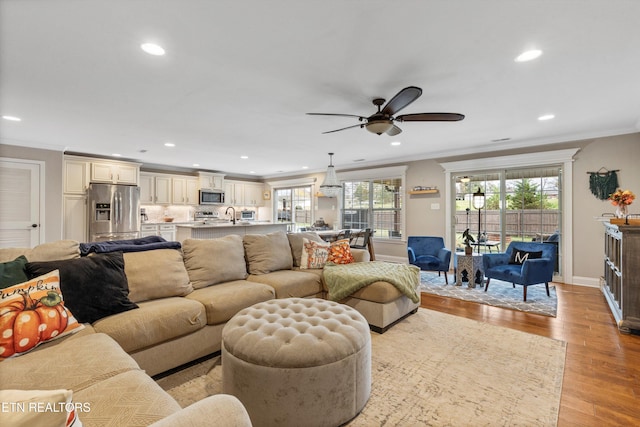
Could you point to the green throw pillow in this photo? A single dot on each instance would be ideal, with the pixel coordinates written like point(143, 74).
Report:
point(13, 272)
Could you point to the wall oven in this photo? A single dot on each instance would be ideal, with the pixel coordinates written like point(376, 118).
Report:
point(211, 197)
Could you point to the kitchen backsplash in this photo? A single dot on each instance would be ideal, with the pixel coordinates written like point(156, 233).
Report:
point(156, 213)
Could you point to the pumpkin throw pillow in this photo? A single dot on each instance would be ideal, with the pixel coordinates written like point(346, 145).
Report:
point(314, 254)
point(340, 252)
point(93, 287)
point(32, 313)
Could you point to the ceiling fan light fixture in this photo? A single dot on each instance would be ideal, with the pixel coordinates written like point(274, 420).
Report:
point(331, 187)
point(379, 126)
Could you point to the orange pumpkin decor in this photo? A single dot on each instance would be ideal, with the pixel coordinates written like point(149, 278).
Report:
point(32, 313)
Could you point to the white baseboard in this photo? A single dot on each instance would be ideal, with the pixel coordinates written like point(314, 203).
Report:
point(591, 282)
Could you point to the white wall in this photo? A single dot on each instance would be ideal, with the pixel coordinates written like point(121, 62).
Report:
point(53, 184)
point(616, 152)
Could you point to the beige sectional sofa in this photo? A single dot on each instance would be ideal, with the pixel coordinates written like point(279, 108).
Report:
point(184, 299)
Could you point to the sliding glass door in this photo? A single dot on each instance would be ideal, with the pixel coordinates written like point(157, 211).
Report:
point(294, 205)
point(515, 205)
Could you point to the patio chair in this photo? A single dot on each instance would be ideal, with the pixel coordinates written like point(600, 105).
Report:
point(523, 263)
point(429, 253)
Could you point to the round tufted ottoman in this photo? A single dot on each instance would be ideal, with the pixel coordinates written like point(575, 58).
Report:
point(298, 362)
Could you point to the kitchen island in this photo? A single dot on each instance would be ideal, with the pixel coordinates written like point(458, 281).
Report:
point(204, 230)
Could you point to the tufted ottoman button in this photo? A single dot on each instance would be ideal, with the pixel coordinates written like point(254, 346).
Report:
point(298, 362)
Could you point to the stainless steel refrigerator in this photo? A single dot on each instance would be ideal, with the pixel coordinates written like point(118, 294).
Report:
point(114, 212)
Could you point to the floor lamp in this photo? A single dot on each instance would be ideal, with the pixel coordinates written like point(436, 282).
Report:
point(478, 203)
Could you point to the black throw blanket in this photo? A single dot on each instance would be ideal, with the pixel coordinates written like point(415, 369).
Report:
point(132, 245)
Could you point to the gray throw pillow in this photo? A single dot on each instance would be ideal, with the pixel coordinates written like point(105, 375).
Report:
point(267, 252)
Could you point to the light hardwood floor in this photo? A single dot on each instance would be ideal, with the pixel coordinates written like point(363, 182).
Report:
point(601, 385)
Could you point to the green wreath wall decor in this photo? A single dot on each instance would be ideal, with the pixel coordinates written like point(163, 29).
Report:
point(603, 183)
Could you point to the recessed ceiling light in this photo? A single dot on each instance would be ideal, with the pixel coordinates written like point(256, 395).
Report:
point(152, 49)
point(396, 143)
point(116, 155)
point(195, 165)
point(12, 118)
point(169, 144)
point(252, 171)
point(528, 55)
point(244, 157)
point(305, 167)
point(546, 117)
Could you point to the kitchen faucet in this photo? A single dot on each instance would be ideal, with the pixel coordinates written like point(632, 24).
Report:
point(233, 218)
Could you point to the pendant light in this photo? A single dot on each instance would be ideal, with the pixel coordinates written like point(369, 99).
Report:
point(330, 186)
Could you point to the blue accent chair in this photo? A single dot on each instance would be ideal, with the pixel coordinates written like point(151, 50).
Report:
point(530, 272)
point(429, 253)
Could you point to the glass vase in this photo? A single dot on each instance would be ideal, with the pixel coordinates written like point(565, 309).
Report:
point(621, 211)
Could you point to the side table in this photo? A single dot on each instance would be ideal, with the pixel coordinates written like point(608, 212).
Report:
point(469, 269)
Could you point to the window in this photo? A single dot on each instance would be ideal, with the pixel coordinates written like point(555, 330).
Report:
point(520, 205)
point(375, 204)
point(294, 205)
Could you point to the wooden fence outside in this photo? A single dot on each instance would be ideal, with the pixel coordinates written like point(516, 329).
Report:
point(518, 223)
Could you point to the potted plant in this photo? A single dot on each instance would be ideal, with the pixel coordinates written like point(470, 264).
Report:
point(468, 239)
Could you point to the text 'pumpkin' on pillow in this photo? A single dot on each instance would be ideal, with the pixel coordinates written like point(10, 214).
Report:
point(32, 313)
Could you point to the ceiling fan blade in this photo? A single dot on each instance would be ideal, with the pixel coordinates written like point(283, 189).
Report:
point(430, 117)
point(348, 127)
point(394, 131)
point(338, 115)
point(403, 98)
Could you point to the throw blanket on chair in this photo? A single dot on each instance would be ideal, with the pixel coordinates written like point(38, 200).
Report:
point(344, 279)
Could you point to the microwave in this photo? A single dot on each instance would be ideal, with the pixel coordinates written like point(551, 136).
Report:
point(211, 197)
point(247, 215)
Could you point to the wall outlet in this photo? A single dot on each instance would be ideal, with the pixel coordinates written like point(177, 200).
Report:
point(435, 206)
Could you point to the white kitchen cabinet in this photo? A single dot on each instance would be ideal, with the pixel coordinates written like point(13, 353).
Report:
point(192, 187)
point(115, 172)
point(241, 193)
point(185, 190)
point(163, 190)
point(147, 188)
point(233, 193)
point(211, 181)
point(76, 176)
point(168, 232)
point(253, 194)
point(74, 225)
point(148, 230)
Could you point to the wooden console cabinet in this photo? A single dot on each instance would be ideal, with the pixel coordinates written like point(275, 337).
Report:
point(621, 285)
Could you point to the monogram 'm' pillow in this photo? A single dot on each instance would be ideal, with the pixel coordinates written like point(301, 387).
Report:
point(519, 257)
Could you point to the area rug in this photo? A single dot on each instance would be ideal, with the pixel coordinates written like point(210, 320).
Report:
point(441, 370)
point(500, 294)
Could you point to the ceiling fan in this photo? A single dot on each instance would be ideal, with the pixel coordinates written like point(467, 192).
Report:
point(383, 120)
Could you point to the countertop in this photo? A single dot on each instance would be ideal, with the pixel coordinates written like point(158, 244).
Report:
point(204, 224)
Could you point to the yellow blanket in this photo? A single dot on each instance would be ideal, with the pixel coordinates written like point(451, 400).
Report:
point(344, 279)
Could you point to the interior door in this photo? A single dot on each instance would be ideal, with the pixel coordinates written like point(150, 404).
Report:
point(20, 192)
